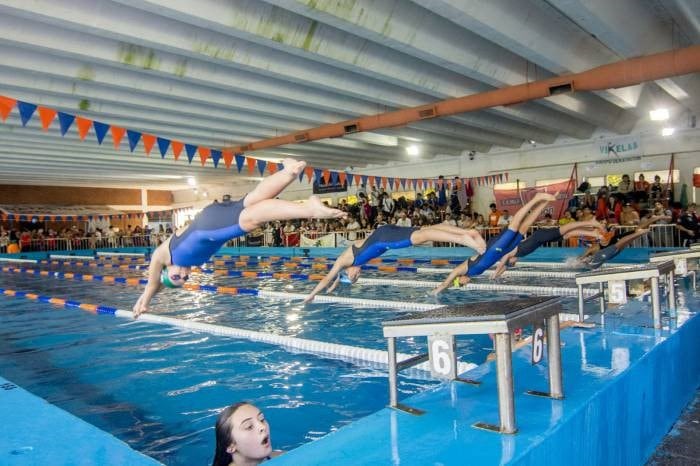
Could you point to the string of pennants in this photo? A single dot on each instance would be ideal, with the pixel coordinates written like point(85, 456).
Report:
point(83, 125)
point(5, 216)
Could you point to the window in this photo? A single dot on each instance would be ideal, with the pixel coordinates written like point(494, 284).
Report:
point(552, 181)
point(596, 181)
point(513, 185)
point(663, 174)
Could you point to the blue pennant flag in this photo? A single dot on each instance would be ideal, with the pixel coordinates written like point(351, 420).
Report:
point(403, 183)
point(334, 177)
point(415, 183)
point(190, 151)
point(280, 167)
point(163, 145)
point(390, 182)
point(215, 157)
point(65, 120)
point(363, 178)
point(317, 175)
point(134, 137)
point(261, 166)
point(25, 111)
point(349, 177)
point(240, 160)
point(100, 131)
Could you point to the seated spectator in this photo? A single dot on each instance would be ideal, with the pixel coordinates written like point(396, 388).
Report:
point(629, 216)
point(687, 223)
point(547, 221)
point(625, 187)
point(403, 220)
point(242, 437)
point(504, 219)
point(641, 189)
point(352, 227)
point(567, 218)
point(656, 189)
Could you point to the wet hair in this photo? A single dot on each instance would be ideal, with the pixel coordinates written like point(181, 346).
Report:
point(223, 435)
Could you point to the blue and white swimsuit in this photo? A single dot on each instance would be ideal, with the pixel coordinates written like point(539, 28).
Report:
point(211, 228)
point(381, 240)
point(498, 247)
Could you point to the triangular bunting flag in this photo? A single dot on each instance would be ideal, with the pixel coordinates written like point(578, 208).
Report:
point(384, 182)
point(363, 179)
point(349, 177)
point(177, 148)
point(163, 145)
point(506, 174)
point(148, 141)
point(357, 178)
point(100, 131)
point(309, 172)
point(228, 158)
point(342, 177)
point(133, 137)
point(65, 120)
point(204, 154)
point(215, 157)
point(334, 177)
point(240, 160)
point(326, 176)
point(272, 168)
point(261, 166)
point(414, 183)
point(280, 166)
point(317, 174)
point(83, 125)
point(250, 161)
point(117, 135)
point(190, 150)
point(391, 182)
point(6, 106)
point(403, 183)
point(46, 115)
point(26, 111)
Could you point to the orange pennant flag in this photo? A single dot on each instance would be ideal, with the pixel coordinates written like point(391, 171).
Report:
point(227, 155)
point(177, 148)
point(272, 167)
point(84, 126)
point(117, 135)
point(309, 172)
point(6, 106)
point(204, 154)
point(251, 164)
point(396, 183)
point(357, 179)
point(148, 141)
point(46, 115)
point(326, 176)
point(342, 177)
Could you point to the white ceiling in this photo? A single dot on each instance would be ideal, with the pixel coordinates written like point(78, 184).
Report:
point(227, 72)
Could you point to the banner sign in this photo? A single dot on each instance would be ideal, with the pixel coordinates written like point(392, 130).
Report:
point(513, 199)
point(617, 148)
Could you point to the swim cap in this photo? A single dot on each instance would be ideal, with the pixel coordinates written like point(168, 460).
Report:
point(165, 279)
point(344, 278)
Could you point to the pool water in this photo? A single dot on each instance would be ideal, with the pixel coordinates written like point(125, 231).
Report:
point(160, 388)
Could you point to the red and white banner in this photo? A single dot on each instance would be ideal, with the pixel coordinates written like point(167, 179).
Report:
point(513, 199)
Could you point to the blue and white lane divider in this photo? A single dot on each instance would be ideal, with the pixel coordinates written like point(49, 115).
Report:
point(120, 254)
point(20, 261)
point(320, 348)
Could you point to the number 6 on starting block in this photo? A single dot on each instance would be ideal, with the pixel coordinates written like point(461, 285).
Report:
point(443, 362)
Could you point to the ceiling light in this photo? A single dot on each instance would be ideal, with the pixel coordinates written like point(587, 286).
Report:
point(412, 150)
point(668, 131)
point(191, 181)
point(532, 141)
point(660, 114)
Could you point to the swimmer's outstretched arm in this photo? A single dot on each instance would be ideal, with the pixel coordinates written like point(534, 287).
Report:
point(345, 260)
point(461, 269)
point(159, 259)
point(501, 264)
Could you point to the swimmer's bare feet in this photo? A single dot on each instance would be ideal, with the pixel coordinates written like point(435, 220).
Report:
point(473, 239)
point(319, 210)
point(293, 167)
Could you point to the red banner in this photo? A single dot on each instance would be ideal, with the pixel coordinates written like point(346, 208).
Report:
point(512, 199)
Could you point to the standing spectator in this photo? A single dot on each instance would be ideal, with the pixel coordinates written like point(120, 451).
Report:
point(494, 215)
point(352, 228)
point(641, 189)
point(387, 204)
point(442, 192)
point(687, 223)
point(656, 189)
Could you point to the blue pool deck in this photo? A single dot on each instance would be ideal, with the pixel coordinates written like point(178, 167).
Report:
point(34, 432)
point(625, 384)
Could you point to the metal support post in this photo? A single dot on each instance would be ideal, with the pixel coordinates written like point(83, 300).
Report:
point(504, 374)
point(554, 357)
point(671, 290)
point(393, 395)
point(601, 289)
point(655, 303)
point(580, 303)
